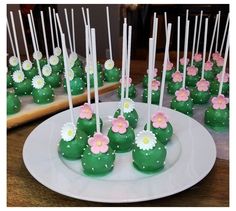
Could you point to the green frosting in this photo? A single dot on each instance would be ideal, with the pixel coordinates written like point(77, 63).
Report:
point(199, 97)
point(44, 95)
point(112, 75)
point(58, 68)
point(54, 80)
point(91, 79)
point(99, 66)
point(185, 107)
point(162, 135)
point(131, 117)
point(172, 87)
point(9, 81)
point(42, 62)
point(23, 88)
point(209, 75)
point(31, 72)
point(145, 80)
point(77, 86)
point(215, 85)
point(12, 69)
point(13, 103)
point(73, 149)
point(78, 71)
point(198, 65)
point(132, 91)
point(181, 68)
point(97, 164)
point(88, 125)
point(121, 142)
point(169, 74)
point(192, 80)
point(155, 96)
point(216, 69)
point(149, 161)
point(217, 119)
point(78, 63)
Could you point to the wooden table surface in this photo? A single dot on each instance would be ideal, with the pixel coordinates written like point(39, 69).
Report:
point(24, 190)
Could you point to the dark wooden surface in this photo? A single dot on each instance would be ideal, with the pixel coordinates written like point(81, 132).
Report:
point(24, 190)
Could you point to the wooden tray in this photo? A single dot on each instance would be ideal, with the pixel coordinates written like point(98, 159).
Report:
point(31, 111)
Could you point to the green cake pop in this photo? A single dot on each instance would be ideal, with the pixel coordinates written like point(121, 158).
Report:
point(9, 81)
point(145, 78)
point(13, 103)
point(13, 64)
point(111, 73)
point(215, 85)
point(56, 65)
point(155, 92)
point(131, 90)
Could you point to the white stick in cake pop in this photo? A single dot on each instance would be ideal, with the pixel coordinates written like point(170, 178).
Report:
point(44, 36)
point(109, 33)
point(154, 35)
point(65, 56)
point(34, 43)
point(15, 38)
point(150, 77)
point(224, 66)
point(89, 34)
point(94, 55)
point(23, 34)
point(165, 64)
point(199, 32)
point(194, 38)
point(51, 27)
point(11, 41)
point(223, 40)
point(204, 48)
point(178, 40)
point(59, 23)
point(87, 63)
point(185, 53)
point(218, 31)
point(73, 28)
point(166, 23)
point(34, 30)
point(55, 25)
point(124, 53)
point(213, 37)
point(128, 61)
point(68, 30)
point(84, 18)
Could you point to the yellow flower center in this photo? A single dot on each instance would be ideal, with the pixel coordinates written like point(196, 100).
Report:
point(126, 105)
point(145, 140)
point(99, 143)
point(39, 82)
point(70, 133)
point(19, 77)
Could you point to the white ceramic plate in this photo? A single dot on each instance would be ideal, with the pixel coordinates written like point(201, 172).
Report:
point(190, 156)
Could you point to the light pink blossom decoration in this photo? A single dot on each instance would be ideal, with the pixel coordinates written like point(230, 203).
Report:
point(85, 111)
point(192, 71)
point(215, 56)
point(182, 94)
point(220, 62)
point(120, 125)
point(197, 57)
point(169, 66)
point(98, 143)
point(225, 79)
point(129, 81)
point(203, 85)
point(177, 76)
point(182, 61)
point(155, 85)
point(220, 102)
point(159, 120)
point(208, 66)
point(154, 72)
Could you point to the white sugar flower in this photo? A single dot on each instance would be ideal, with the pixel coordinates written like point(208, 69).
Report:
point(89, 68)
point(71, 63)
point(38, 82)
point(128, 105)
point(47, 70)
point(68, 131)
point(145, 140)
point(37, 55)
point(57, 51)
point(53, 60)
point(13, 61)
point(27, 65)
point(71, 74)
point(109, 64)
point(73, 56)
point(18, 76)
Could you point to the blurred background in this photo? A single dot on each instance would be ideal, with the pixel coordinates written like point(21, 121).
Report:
point(139, 16)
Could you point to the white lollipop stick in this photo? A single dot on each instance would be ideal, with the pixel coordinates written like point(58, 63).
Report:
point(223, 40)
point(51, 27)
point(44, 36)
point(89, 34)
point(194, 39)
point(23, 34)
point(165, 65)
point(68, 30)
point(34, 43)
point(73, 28)
point(199, 31)
point(150, 74)
point(109, 32)
point(11, 41)
point(165, 16)
point(128, 62)
point(55, 25)
point(84, 18)
point(87, 63)
point(124, 44)
point(213, 37)
point(217, 33)
point(185, 53)
point(178, 39)
point(154, 35)
point(204, 48)
point(15, 38)
point(65, 56)
point(94, 55)
point(224, 66)
point(59, 23)
point(34, 30)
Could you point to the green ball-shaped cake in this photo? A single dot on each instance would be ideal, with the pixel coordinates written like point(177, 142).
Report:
point(51, 78)
point(112, 75)
point(192, 76)
point(13, 64)
point(77, 85)
point(176, 83)
point(9, 81)
point(181, 64)
point(155, 77)
point(91, 79)
point(132, 91)
point(29, 69)
point(197, 61)
point(155, 96)
point(13, 103)
point(169, 71)
point(215, 85)
point(56, 65)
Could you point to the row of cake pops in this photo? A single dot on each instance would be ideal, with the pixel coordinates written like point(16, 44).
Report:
point(22, 77)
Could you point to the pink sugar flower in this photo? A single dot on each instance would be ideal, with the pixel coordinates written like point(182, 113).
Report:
point(169, 66)
point(208, 66)
point(98, 143)
point(154, 72)
point(182, 61)
point(220, 102)
point(225, 79)
point(177, 76)
point(192, 71)
point(129, 81)
point(85, 111)
point(220, 62)
point(197, 57)
point(182, 94)
point(203, 85)
point(155, 85)
point(159, 120)
point(120, 125)
point(215, 56)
